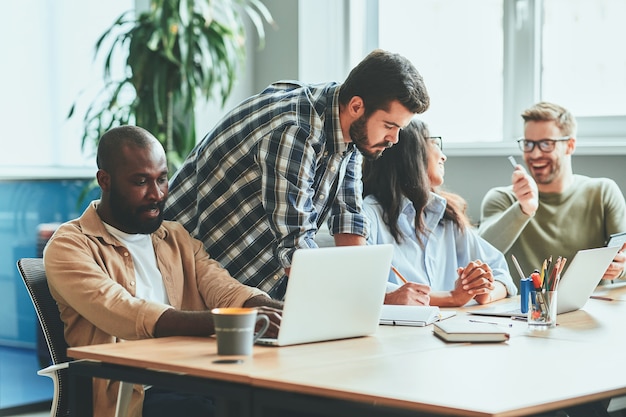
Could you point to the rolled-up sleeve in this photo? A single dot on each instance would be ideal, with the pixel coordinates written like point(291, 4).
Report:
point(215, 284)
point(347, 214)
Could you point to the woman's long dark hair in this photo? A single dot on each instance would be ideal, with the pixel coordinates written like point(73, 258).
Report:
point(402, 170)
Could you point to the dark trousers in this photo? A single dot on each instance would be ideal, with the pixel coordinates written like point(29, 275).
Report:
point(163, 403)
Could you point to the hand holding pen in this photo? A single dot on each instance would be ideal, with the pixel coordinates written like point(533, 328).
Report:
point(410, 293)
point(524, 188)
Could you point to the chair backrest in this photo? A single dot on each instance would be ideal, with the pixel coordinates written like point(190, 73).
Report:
point(34, 276)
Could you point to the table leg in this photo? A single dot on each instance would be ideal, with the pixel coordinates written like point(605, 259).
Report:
point(80, 387)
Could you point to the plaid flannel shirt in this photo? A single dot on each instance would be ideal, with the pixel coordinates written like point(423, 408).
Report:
point(259, 185)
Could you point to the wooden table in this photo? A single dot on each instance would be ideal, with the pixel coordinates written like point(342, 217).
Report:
point(399, 371)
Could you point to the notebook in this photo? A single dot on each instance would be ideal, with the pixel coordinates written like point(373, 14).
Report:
point(419, 316)
point(333, 293)
point(576, 285)
point(463, 331)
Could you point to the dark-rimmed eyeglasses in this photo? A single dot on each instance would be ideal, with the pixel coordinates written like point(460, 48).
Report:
point(545, 145)
point(437, 141)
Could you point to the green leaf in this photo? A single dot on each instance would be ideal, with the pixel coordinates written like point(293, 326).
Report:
point(173, 54)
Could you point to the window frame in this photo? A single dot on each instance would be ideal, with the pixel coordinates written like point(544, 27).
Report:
point(522, 23)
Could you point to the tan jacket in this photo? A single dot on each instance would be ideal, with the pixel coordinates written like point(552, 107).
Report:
point(92, 278)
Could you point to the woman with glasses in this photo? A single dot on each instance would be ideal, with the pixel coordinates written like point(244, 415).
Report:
point(436, 249)
point(548, 210)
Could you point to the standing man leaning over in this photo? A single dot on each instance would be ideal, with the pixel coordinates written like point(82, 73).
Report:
point(259, 185)
point(549, 210)
point(119, 272)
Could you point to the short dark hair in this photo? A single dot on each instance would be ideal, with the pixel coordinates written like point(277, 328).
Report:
point(113, 140)
point(382, 77)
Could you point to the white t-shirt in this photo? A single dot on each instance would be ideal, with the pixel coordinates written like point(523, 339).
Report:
point(149, 282)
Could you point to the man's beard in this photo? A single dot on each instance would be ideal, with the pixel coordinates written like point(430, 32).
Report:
point(130, 219)
point(358, 134)
point(554, 170)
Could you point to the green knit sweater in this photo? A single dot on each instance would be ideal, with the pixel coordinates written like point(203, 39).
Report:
point(582, 217)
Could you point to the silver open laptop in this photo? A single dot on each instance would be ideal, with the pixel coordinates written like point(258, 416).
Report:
point(333, 293)
point(575, 287)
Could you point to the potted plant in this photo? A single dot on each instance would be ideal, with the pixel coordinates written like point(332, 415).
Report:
point(175, 53)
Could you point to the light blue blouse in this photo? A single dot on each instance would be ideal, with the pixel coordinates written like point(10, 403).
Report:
point(445, 247)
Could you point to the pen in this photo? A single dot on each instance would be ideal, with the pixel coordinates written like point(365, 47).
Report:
point(542, 274)
point(519, 268)
point(513, 161)
point(398, 274)
point(525, 286)
point(553, 274)
point(480, 321)
point(558, 274)
point(491, 322)
point(546, 278)
point(599, 297)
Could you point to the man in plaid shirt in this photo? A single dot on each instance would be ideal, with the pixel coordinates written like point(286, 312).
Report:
point(261, 183)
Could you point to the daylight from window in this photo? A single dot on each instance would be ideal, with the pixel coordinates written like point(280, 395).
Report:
point(583, 60)
point(458, 47)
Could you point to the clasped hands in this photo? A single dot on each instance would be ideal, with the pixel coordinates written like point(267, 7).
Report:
point(474, 281)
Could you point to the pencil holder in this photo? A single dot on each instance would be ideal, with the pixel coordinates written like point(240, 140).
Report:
point(542, 309)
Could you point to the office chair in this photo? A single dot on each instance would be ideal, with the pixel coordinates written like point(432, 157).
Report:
point(34, 277)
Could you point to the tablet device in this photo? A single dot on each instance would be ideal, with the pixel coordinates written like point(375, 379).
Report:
point(617, 239)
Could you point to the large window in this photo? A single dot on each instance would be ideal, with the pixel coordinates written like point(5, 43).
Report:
point(457, 47)
point(582, 62)
point(48, 64)
point(485, 61)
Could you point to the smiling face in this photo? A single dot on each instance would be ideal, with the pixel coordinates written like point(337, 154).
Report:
point(134, 193)
point(373, 134)
point(550, 170)
point(436, 160)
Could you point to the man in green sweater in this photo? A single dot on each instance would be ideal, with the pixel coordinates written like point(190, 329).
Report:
point(549, 210)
